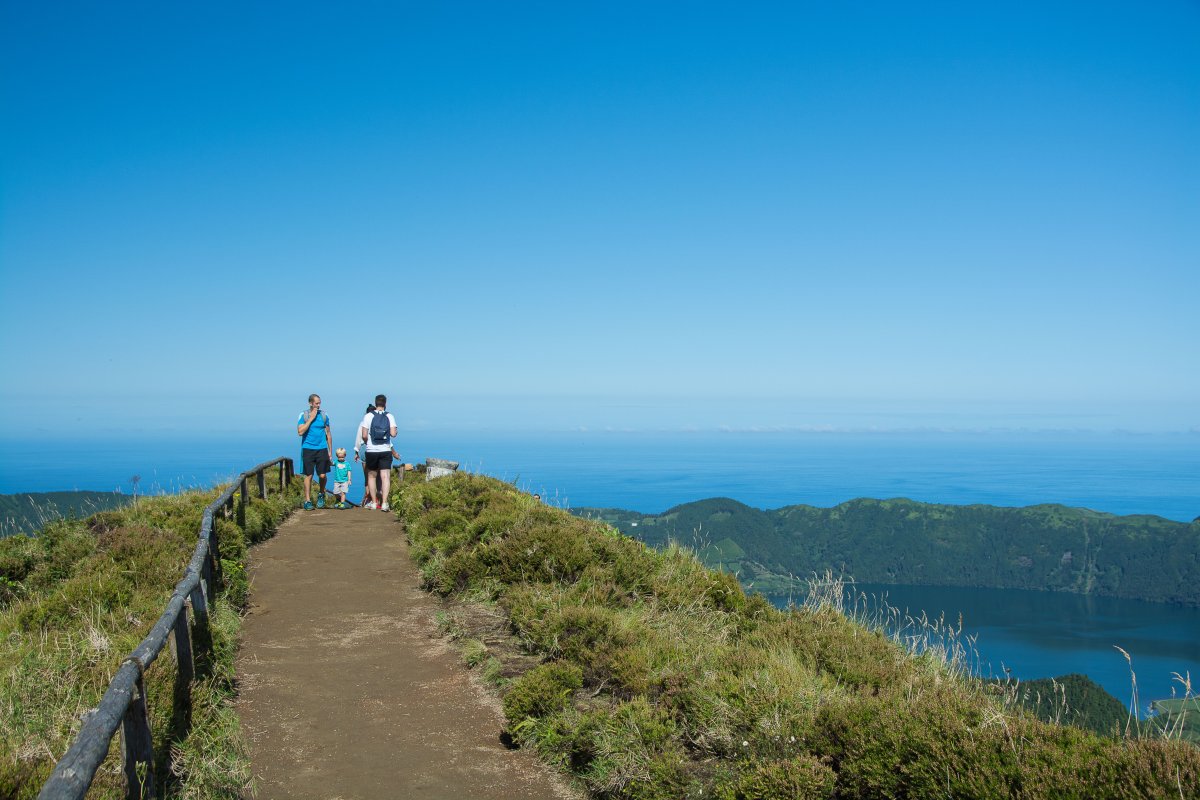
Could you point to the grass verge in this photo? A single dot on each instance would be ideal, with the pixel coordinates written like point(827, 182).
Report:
point(645, 675)
point(76, 598)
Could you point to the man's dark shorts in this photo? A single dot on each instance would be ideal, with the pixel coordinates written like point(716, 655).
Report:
point(315, 461)
point(379, 461)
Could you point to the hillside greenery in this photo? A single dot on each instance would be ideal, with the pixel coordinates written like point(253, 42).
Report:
point(31, 511)
point(646, 675)
point(1181, 714)
point(1071, 700)
point(78, 597)
point(1045, 547)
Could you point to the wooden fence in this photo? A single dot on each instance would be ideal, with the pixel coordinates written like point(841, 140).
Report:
point(124, 702)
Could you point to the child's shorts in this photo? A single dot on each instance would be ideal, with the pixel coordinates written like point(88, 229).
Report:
point(341, 487)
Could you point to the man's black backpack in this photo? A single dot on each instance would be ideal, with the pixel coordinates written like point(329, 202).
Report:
point(381, 429)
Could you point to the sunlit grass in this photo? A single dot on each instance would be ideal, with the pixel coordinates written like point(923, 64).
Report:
point(81, 594)
point(654, 677)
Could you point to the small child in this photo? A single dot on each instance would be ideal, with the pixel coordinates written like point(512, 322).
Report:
point(341, 477)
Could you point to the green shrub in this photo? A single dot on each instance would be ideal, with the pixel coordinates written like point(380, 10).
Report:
point(18, 556)
point(803, 778)
point(543, 690)
point(635, 754)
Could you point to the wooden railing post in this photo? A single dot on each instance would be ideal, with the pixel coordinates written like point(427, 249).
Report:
point(183, 647)
point(242, 500)
point(200, 602)
point(185, 674)
point(262, 484)
point(214, 554)
point(138, 746)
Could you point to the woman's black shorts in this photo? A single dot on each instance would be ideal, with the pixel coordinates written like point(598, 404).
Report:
point(379, 461)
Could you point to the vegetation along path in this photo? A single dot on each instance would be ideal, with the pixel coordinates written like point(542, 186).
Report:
point(345, 690)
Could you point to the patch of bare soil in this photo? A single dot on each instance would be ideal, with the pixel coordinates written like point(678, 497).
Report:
point(347, 689)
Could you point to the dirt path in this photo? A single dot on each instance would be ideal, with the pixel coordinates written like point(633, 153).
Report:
point(346, 691)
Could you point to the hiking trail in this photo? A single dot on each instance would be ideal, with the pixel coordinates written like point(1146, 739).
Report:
point(346, 688)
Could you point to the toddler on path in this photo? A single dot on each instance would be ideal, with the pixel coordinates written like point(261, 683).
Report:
point(342, 477)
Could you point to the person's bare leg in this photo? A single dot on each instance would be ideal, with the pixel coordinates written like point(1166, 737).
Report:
point(373, 486)
point(385, 478)
point(308, 488)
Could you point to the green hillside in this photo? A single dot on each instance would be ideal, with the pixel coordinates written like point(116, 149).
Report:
point(30, 511)
point(647, 676)
point(1180, 714)
point(1071, 700)
point(74, 602)
point(1045, 547)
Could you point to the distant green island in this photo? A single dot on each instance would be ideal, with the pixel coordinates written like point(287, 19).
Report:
point(899, 541)
point(1071, 700)
point(30, 511)
point(1182, 714)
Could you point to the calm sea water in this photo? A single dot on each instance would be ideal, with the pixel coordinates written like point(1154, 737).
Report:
point(1032, 633)
point(1043, 634)
point(652, 472)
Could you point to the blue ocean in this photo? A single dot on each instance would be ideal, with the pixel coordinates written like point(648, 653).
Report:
point(1033, 634)
point(650, 472)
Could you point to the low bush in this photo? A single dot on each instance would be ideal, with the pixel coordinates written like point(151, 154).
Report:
point(543, 690)
point(802, 778)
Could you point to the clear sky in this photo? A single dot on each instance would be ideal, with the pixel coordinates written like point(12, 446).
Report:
point(596, 214)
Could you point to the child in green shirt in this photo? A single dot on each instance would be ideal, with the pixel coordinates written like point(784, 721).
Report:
point(341, 477)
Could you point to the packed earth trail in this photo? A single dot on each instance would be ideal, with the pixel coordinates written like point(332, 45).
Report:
point(346, 690)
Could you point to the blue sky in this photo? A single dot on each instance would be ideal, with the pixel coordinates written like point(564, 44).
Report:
point(560, 215)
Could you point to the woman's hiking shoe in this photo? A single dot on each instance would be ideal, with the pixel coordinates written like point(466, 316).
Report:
point(321, 500)
point(369, 506)
point(308, 505)
point(385, 507)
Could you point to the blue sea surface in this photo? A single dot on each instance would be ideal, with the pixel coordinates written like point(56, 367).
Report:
point(1121, 474)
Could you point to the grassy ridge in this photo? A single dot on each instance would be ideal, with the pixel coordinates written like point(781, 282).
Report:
point(1046, 547)
point(77, 598)
point(656, 677)
point(32, 511)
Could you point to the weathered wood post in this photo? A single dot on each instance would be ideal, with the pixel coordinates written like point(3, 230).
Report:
point(202, 642)
point(262, 484)
point(242, 500)
point(183, 647)
point(214, 550)
point(138, 746)
point(200, 600)
point(185, 673)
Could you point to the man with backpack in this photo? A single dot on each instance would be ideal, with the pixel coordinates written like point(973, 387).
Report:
point(316, 448)
point(377, 429)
